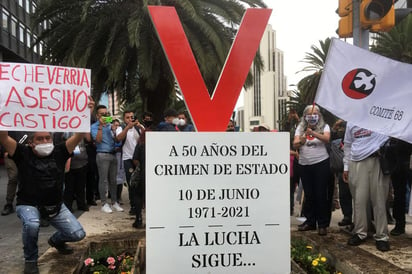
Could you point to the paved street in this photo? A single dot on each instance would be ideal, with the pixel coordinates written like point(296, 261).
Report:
point(11, 248)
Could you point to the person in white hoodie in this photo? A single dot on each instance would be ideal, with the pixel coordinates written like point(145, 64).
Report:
point(368, 185)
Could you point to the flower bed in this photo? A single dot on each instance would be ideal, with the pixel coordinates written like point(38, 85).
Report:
point(309, 259)
point(113, 257)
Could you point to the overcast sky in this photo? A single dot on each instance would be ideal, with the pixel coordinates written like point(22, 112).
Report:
point(298, 25)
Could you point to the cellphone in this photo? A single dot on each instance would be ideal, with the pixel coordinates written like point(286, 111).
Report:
point(133, 119)
point(107, 119)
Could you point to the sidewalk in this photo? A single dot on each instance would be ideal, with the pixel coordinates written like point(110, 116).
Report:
point(347, 259)
point(364, 258)
point(99, 226)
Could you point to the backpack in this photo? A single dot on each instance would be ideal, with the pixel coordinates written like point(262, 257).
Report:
point(336, 156)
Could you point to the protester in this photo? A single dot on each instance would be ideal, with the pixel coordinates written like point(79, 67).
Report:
point(231, 126)
point(40, 191)
point(345, 197)
point(120, 174)
point(92, 184)
point(129, 135)
point(400, 177)
point(106, 161)
point(262, 128)
point(76, 178)
point(170, 121)
point(11, 168)
point(184, 124)
point(139, 179)
point(310, 138)
point(368, 185)
point(290, 125)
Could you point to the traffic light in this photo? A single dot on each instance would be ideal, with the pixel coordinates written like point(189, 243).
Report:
point(345, 23)
point(377, 15)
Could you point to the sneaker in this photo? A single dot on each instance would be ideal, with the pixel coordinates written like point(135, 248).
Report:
point(62, 248)
point(355, 240)
point(31, 268)
point(117, 207)
point(397, 231)
point(8, 209)
point(106, 208)
point(382, 246)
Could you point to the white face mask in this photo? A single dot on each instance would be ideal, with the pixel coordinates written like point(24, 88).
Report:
point(44, 149)
point(182, 122)
point(175, 121)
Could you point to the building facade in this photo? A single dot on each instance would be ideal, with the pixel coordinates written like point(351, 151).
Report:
point(17, 36)
point(265, 101)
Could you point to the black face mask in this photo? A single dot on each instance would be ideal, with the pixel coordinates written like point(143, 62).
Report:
point(147, 123)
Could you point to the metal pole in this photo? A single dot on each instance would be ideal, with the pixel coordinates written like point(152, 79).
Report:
point(360, 36)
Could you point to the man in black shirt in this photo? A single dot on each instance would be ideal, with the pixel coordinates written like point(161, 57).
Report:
point(40, 191)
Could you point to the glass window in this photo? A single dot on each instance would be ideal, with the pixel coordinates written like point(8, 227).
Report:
point(5, 19)
point(13, 26)
point(35, 47)
point(28, 6)
point(21, 3)
point(33, 7)
point(28, 40)
point(21, 32)
point(41, 46)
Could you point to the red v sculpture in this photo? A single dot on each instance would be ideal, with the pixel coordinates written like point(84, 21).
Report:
point(209, 113)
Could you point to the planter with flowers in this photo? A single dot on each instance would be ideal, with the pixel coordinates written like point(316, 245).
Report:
point(309, 260)
point(113, 257)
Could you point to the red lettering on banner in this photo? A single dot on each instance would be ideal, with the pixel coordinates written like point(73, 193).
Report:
point(201, 106)
point(39, 74)
point(1, 119)
point(30, 118)
point(18, 119)
point(3, 70)
point(9, 99)
point(27, 94)
point(14, 72)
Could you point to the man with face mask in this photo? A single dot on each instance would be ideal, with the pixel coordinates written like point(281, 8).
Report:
point(147, 120)
point(183, 124)
point(170, 122)
point(40, 191)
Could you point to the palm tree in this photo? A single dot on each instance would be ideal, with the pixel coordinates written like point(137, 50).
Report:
point(397, 43)
point(117, 41)
point(316, 62)
point(308, 85)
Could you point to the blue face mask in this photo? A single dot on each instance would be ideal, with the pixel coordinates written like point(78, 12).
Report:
point(312, 119)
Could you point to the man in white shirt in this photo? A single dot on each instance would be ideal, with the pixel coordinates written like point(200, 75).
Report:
point(368, 185)
point(129, 135)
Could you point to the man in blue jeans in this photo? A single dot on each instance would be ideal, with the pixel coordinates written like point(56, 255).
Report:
point(104, 137)
point(40, 192)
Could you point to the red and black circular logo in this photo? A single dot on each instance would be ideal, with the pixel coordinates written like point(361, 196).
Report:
point(358, 83)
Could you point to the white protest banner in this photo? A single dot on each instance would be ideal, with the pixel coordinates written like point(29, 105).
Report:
point(36, 97)
point(217, 202)
point(369, 90)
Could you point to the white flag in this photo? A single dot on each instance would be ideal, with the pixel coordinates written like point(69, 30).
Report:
point(369, 90)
